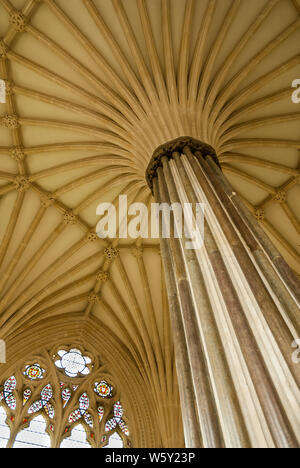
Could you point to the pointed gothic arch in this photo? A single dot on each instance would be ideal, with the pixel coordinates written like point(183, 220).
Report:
point(39, 343)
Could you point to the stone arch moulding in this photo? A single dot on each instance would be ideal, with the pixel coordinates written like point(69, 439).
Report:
point(97, 339)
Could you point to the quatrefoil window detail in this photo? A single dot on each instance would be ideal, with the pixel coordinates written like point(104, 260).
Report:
point(73, 362)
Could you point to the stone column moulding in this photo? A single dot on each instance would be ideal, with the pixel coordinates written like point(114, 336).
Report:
point(233, 309)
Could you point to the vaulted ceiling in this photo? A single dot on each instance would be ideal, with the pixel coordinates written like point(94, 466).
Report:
point(93, 88)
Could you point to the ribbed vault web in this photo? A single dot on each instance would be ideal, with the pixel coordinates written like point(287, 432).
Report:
point(93, 87)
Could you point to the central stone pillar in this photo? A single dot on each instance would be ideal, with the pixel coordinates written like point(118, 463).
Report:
point(234, 310)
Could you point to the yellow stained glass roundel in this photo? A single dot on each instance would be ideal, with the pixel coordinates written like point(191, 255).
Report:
point(103, 389)
point(34, 372)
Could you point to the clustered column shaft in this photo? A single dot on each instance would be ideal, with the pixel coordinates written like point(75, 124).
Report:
point(234, 311)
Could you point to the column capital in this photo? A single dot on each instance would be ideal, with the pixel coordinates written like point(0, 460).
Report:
point(176, 146)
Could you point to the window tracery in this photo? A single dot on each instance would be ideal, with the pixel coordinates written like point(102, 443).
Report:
point(62, 398)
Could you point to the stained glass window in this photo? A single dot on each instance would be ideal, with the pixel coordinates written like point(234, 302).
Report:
point(26, 395)
point(66, 395)
point(34, 372)
point(80, 412)
point(66, 400)
point(46, 395)
point(8, 393)
point(100, 413)
point(103, 389)
point(117, 420)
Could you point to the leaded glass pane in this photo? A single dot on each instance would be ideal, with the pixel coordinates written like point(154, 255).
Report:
point(77, 439)
point(73, 362)
point(34, 436)
point(34, 372)
point(4, 429)
point(115, 441)
point(118, 411)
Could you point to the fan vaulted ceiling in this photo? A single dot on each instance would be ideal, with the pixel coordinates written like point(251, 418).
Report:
point(93, 88)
